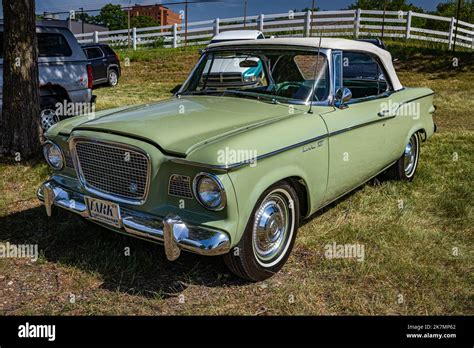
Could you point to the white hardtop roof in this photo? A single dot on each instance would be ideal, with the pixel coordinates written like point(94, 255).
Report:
point(237, 35)
point(330, 43)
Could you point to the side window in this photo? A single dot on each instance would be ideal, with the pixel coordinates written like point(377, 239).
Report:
point(260, 37)
point(53, 45)
point(108, 51)
point(93, 53)
point(49, 45)
point(363, 75)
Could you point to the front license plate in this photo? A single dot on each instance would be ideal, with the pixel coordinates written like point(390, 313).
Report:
point(104, 211)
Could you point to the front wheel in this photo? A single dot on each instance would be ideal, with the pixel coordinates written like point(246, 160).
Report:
point(405, 167)
point(269, 236)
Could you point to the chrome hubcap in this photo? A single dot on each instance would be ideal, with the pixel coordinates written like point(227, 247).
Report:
point(48, 118)
point(410, 156)
point(271, 227)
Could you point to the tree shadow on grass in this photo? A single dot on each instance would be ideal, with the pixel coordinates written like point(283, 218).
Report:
point(437, 61)
point(144, 271)
point(125, 264)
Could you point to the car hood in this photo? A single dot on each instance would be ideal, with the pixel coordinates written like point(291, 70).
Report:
point(181, 125)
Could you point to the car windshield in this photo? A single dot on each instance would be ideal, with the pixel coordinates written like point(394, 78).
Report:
point(284, 75)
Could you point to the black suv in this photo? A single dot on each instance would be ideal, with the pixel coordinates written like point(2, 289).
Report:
point(105, 64)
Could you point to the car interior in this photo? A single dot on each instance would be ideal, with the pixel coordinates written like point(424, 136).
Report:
point(363, 75)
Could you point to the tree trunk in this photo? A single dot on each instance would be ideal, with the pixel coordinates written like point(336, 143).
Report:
point(19, 120)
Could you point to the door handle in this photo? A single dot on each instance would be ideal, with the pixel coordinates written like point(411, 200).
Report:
point(385, 113)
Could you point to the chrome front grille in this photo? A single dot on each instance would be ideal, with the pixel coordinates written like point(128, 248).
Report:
point(222, 79)
point(113, 169)
point(180, 185)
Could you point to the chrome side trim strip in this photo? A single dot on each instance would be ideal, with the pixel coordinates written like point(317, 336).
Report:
point(360, 125)
point(226, 168)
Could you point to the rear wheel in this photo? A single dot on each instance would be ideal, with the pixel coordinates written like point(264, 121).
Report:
point(405, 167)
point(269, 236)
point(112, 78)
point(48, 117)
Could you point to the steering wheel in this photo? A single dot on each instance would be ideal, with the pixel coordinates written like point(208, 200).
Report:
point(285, 85)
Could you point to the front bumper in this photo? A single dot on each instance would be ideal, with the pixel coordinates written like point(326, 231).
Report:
point(171, 231)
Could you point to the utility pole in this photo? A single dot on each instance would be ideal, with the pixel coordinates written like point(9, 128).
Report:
point(383, 18)
point(82, 18)
point(245, 13)
point(311, 22)
point(128, 41)
point(457, 24)
point(470, 11)
point(185, 23)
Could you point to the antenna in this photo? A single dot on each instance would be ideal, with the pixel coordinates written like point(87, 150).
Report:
point(313, 91)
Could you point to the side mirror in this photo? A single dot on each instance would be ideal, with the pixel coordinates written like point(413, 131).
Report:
point(343, 95)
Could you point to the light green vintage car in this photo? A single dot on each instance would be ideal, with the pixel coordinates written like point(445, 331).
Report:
point(228, 168)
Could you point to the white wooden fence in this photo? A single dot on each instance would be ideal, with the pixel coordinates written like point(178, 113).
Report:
point(343, 23)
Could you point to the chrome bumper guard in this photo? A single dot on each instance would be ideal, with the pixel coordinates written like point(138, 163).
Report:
point(171, 231)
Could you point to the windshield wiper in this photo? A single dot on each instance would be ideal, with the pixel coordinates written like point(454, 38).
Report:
point(261, 97)
point(203, 92)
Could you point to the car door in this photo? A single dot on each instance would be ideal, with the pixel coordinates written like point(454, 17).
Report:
point(358, 147)
point(98, 62)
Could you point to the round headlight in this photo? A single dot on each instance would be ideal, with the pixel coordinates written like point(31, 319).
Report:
point(54, 155)
point(209, 191)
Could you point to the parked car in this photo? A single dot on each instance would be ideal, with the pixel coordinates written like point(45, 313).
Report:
point(235, 71)
point(65, 75)
point(377, 42)
point(235, 35)
point(105, 64)
point(234, 175)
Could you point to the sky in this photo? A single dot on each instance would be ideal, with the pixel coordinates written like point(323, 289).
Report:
point(224, 8)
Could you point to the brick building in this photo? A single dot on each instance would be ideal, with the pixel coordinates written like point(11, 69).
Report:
point(160, 13)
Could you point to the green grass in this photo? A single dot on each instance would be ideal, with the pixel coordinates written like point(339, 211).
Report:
point(408, 252)
point(148, 75)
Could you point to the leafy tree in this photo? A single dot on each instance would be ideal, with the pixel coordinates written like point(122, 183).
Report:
point(314, 9)
point(112, 17)
point(86, 18)
point(450, 9)
point(391, 5)
point(143, 21)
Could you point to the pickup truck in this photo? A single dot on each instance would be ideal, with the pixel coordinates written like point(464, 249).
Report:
point(65, 75)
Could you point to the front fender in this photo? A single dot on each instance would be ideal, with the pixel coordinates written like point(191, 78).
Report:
point(251, 181)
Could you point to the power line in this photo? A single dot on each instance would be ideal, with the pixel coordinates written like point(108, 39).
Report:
point(126, 8)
